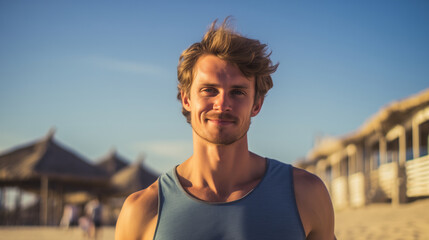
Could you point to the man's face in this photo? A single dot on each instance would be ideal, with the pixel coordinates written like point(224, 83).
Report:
point(221, 101)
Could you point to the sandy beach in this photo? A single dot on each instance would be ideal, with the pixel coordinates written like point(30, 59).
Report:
point(377, 221)
point(384, 221)
point(51, 233)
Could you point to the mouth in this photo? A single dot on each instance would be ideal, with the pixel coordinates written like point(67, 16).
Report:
point(220, 121)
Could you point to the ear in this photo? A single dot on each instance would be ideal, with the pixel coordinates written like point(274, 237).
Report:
point(186, 101)
point(257, 106)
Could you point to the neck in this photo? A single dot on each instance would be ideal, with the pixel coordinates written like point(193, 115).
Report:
point(222, 169)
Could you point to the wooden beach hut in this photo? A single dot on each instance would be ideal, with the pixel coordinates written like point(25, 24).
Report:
point(50, 170)
point(384, 160)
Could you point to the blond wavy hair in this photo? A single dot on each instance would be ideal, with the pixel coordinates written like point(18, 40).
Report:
point(249, 55)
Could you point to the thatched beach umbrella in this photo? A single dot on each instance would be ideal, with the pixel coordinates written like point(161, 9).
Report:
point(132, 178)
point(112, 162)
point(46, 165)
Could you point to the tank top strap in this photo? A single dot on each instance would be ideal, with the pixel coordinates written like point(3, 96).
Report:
point(278, 175)
point(168, 189)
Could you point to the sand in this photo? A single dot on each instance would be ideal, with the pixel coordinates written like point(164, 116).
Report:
point(383, 221)
point(377, 221)
point(51, 233)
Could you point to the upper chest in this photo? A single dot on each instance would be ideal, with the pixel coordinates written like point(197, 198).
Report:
point(208, 195)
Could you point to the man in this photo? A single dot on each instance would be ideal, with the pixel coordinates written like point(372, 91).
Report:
point(224, 191)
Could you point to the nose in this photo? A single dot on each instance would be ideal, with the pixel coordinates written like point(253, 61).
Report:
point(222, 103)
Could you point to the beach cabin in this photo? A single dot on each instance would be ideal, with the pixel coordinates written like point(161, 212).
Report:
point(384, 160)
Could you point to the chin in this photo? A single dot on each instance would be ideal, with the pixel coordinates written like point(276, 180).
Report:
point(226, 140)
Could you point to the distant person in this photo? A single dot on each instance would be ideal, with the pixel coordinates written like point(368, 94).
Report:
point(224, 191)
point(70, 216)
point(85, 225)
point(94, 212)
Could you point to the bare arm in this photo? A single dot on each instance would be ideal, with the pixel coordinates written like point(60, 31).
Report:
point(314, 205)
point(139, 214)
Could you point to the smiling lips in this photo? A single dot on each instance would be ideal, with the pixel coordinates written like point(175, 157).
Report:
point(220, 122)
point(221, 119)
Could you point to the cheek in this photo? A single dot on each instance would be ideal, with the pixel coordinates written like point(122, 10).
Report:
point(202, 104)
point(200, 108)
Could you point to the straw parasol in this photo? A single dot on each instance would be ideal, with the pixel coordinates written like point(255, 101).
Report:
point(112, 162)
point(46, 157)
point(132, 178)
point(49, 169)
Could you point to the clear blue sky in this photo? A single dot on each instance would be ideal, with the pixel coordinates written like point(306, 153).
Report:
point(104, 72)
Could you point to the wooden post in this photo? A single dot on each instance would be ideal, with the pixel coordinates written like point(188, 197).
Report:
point(60, 205)
point(416, 139)
point(382, 150)
point(2, 199)
point(44, 194)
point(359, 159)
point(351, 158)
point(398, 133)
point(402, 147)
point(402, 175)
point(336, 172)
point(399, 189)
point(5, 217)
point(18, 207)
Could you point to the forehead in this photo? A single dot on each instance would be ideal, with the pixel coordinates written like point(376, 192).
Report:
point(210, 68)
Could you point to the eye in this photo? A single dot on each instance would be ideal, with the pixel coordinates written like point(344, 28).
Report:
point(209, 91)
point(238, 92)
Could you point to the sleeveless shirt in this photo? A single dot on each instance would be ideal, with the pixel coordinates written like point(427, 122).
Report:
point(267, 212)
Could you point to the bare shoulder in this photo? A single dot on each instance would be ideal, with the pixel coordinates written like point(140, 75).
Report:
point(314, 205)
point(138, 216)
point(307, 183)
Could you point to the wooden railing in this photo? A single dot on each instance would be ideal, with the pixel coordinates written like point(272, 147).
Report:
point(418, 177)
point(387, 174)
point(339, 191)
point(357, 189)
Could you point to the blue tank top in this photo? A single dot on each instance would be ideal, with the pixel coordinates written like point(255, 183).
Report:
point(268, 212)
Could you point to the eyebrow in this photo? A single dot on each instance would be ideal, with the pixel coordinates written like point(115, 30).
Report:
point(244, 86)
